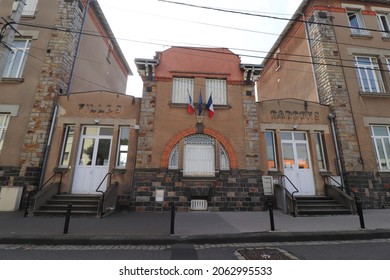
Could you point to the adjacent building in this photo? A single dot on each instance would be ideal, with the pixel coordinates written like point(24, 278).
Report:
point(335, 54)
point(51, 51)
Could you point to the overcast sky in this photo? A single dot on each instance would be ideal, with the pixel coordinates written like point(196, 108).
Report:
point(143, 27)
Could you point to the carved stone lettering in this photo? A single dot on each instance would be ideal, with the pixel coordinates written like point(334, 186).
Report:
point(99, 108)
point(294, 115)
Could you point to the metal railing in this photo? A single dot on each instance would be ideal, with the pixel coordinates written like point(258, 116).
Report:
point(109, 175)
point(358, 203)
point(292, 194)
point(34, 192)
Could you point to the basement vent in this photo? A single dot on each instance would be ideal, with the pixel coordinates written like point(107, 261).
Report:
point(198, 204)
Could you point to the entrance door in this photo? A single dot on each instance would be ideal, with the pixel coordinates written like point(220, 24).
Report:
point(296, 162)
point(93, 159)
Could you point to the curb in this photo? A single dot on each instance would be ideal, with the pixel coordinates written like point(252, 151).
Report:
point(198, 239)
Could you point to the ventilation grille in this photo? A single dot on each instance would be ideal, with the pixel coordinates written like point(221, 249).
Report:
point(198, 204)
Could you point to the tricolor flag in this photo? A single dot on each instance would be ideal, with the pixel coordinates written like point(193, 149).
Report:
point(190, 105)
point(200, 107)
point(210, 106)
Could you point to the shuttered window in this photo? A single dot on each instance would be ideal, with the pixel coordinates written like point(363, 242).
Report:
point(216, 88)
point(182, 88)
point(30, 8)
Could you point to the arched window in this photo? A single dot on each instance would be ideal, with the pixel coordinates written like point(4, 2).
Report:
point(202, 156)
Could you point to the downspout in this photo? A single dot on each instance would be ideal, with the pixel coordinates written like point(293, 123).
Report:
point(46, 155)
point(332, 117)
point(78, 46)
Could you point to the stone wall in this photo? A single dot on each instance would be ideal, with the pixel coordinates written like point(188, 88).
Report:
point(332, 89)
point(228, 191)
point(372, 189)
point(146, 122)
point(251, 129)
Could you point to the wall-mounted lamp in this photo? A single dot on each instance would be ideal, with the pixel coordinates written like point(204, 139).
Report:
point(295, 126)
point(97, 121)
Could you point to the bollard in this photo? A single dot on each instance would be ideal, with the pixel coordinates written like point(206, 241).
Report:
point(359, 211)
point(271, 213)
point(67, 218)
point(173, 218)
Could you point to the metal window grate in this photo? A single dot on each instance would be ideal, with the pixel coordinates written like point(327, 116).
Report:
point(198, 204)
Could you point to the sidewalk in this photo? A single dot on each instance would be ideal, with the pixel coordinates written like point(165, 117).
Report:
point(194, 227)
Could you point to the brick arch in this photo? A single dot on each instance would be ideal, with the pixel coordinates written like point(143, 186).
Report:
point(208, 131)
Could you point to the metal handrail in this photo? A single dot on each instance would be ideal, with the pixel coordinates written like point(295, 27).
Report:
point(102, 192)
point(292, 194)
point(33, 192)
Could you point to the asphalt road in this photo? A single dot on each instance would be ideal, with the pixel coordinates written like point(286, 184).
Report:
point(324, 250)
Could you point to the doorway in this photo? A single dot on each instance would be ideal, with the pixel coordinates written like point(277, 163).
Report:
point(296, 162)
point(93, 159)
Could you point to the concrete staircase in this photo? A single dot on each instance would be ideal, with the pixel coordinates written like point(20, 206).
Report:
point(319, 205)
point(82, 205)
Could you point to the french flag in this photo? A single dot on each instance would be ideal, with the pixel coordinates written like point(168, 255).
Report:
point(210, 107)
point(190, 105)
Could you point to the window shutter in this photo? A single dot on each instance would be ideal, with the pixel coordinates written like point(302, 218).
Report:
point(181, 88)
point(30, 8)
point(216, 87)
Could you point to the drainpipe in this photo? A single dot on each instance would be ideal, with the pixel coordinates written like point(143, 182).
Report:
point(332, 117)
point(78, 46)
point(44, 163)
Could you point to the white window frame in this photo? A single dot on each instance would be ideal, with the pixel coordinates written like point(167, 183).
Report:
point(178, 157)
point(3, 128)
point(123, 149)
point(384, 24)
point(383, 163)
point(273, 147)
point(364, 71)
point(67, 144)
point(181, 88)
point(17, 59)
point(320, 150)
point(218, 89)
point(224, 162)
point(30, 8)
point(360, 28)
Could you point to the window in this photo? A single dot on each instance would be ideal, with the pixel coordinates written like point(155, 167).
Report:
point(123, 147)
point(384, 25)
point(197, 155)
point(174, 158)
point(17, 59)
point(271, 150)
point(319, 143)
point(67, 145)
point(30, 8)
point(4, 119)
point(369, 74)
point(216, 88)
point(381, 140)
point(223, 159)
point(356, 23)
point(182, 87)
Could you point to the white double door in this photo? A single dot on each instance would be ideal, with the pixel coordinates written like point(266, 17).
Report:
point(296, 162)
point(93, 159)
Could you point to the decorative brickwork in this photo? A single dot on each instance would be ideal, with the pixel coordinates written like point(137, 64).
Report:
point(229, 191)
point(333, 90)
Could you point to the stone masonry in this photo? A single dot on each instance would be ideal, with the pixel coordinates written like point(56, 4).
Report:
point(333, 90)
point(53, 81)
